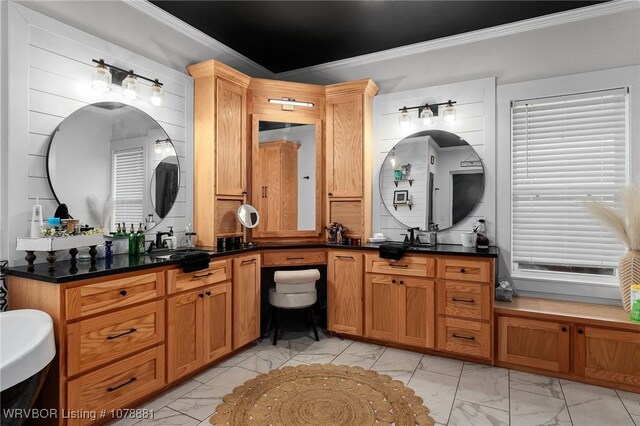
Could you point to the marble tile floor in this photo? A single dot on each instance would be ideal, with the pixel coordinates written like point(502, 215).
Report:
point(456, 392)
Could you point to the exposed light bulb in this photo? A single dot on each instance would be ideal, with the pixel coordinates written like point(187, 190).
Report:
point(426, 116)
point(449, 113)
point(130, 87)
point(393, 161)
point(157, 148)
point(101, 78)
point(405, 118)
point(157, 94)
point(167, 148)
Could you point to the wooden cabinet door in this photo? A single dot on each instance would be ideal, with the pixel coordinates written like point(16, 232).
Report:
point(184, 335)
point(608, 355)
point(246, 299)
point(381, 307)
point(416, 312)
point(344, 146)
point(230, 139)
point(216, 324)
point(344, 292)
point(533, 343)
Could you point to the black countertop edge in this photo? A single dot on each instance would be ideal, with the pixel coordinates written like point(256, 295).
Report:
point(66, 272)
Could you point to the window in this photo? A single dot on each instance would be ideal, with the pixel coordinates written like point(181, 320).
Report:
point(567, 150)
point(128, 185)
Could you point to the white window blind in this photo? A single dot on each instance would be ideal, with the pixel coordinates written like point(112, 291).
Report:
point(128, 186)
point(567, 150)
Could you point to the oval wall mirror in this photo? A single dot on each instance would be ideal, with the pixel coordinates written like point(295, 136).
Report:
point(110, 163)
point(431, 177)
point(248, 216)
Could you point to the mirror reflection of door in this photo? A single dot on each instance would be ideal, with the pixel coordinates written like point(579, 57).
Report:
point(286, 199)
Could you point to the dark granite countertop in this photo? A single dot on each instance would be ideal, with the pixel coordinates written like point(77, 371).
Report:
point(66, 272)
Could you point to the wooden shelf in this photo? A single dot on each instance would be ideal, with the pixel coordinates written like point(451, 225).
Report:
point(586, 313)
point(403, 180)
point(395, 205)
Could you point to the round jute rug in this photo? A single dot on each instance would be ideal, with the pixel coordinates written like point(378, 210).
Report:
point(322, 394)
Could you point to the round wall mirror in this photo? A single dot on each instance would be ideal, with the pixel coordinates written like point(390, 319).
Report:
point(110, 163)
point(248, 216)
point(431, 177)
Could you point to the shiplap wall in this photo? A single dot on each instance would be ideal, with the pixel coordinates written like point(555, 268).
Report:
point(475, 123)
point(49, 78)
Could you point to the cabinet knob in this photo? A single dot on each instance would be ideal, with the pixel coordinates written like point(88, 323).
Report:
point(393, 281)
point(331, 194)
point(208, 293)
point(401, 282)
point(201, 295)
point(580, 331)
point(462, 270)
point(123, 292)
point(564, 329)
point(244, 192)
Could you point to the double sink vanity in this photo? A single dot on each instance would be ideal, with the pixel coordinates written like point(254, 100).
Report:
point(126, 333)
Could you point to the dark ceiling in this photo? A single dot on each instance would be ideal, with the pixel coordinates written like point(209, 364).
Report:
point(286, 35)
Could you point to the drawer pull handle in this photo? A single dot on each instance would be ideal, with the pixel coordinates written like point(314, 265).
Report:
point(131, 380)
point(199, 277)
point(244, 262)
point(296, 258)
point(123, 292)
point(457, 336)
point(133, 330)
point(463, 300)
point(393, 265)
point(345, 257)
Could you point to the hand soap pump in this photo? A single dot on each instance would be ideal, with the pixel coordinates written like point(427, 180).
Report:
point(36, 219)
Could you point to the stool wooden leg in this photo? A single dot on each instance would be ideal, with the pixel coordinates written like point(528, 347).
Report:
point(313, 322)
point(276, 325)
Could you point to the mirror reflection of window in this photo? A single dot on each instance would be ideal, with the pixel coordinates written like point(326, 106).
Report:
point(287, 176)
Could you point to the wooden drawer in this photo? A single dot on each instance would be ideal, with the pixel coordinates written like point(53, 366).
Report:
point(467, 300)
point(112, 293)
point(417, 266)
point(117, 385)
point(218, 271)
point(95, 341)
point(464, 337)
point(464, 269)
point(297, 257)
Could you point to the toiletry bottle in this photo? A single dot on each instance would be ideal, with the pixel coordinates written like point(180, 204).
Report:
point(140, 240)
point(133, 248)
point(36, 219)
point(119, 230)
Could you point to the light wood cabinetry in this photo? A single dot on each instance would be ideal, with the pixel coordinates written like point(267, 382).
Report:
point(218, 271)
point(217, 322)
point(597, 344)
point(292, 258)
point(246, 299)
point(534, 343)
point(345, 292)
point(399, 300)
point(278, 198)
point(220, 147)
point(464, 305)
point(349, 156)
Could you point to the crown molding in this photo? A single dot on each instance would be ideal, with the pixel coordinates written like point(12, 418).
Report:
point(615, 6)
point(177, 24)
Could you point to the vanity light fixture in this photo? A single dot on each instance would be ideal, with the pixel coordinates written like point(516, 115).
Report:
point(393, 158)
point(289, 104)
point(101, 78)
point(405, 117)
point(104, 75)
point(427, 112)
point(162, 145)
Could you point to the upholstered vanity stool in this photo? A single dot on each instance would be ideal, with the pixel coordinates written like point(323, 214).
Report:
point(294, 290)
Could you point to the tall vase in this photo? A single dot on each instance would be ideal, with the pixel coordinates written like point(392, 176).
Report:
point(629, 274)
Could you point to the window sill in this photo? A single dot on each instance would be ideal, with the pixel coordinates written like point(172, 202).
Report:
point(564, 278)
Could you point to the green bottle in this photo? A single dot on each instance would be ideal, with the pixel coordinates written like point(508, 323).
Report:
point(133, 247)
point(140, 240)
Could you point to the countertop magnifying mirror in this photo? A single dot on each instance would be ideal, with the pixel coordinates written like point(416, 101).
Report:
point(286, 175)
point(432, 177)
point(248, 216)
point(110, 162)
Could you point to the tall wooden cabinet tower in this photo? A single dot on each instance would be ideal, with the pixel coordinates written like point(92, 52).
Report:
point(220, 149)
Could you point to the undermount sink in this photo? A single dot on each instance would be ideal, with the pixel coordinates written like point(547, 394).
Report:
point(26, 345)
point(174, 253)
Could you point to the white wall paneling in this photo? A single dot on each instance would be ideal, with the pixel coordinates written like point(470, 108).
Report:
point(49, 77)
point(475, 123)
point(585, 287)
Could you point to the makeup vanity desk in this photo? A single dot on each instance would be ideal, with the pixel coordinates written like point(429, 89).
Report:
point(127, 332)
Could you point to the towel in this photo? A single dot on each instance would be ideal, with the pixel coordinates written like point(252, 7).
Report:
point(388, 251)
point(295, 277)
point(195, 262)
